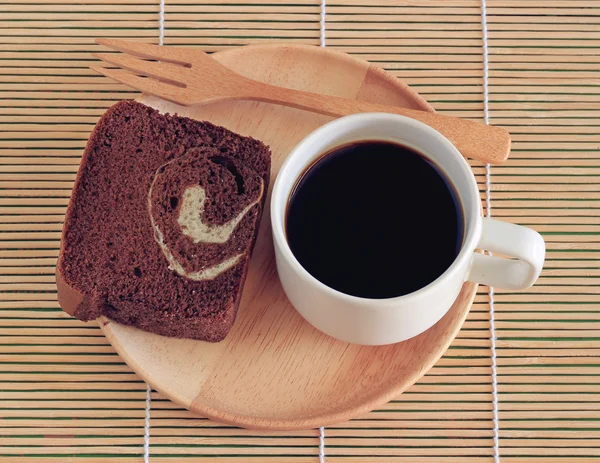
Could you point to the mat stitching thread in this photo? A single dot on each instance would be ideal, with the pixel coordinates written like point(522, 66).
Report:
point(161, 23)
point(321, 445)
point(161, 39)
point(488, 207)
point(322, 22)
point(147, 425)
point(322, 40)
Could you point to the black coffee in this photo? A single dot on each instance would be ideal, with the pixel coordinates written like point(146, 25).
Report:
point(374, 219)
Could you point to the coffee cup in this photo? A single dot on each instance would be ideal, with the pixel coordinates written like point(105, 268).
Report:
point(369, 321)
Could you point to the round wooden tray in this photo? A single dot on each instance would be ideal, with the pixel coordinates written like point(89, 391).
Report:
point(274, 370)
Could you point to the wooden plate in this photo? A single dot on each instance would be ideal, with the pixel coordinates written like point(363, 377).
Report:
point(274, 370)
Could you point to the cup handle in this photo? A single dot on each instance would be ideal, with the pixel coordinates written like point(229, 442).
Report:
point(525, 245)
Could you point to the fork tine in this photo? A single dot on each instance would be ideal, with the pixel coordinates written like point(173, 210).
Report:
point(161, 89)
point(161, 71)
point(147, 50)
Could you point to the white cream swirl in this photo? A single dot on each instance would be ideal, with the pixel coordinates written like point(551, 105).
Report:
point(191, 224)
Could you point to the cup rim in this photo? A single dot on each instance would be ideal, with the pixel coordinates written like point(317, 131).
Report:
point(280, 198)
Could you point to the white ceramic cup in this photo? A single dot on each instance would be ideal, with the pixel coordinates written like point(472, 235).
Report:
point(385, 321)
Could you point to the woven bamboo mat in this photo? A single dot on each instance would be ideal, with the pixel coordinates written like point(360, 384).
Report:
point(65, 396)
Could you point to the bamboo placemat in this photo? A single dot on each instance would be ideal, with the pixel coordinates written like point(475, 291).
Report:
point(65, 396)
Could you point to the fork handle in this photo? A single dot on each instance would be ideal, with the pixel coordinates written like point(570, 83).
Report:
point(474, 140)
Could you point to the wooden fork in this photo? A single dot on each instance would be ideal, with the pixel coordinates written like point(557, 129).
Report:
point(188, 76)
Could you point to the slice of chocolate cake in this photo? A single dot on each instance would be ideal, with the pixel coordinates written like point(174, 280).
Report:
point(161, 224)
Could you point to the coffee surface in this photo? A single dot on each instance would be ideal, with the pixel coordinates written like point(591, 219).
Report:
point(374, 219)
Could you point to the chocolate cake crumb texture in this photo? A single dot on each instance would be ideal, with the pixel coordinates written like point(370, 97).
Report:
point(136, 171)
